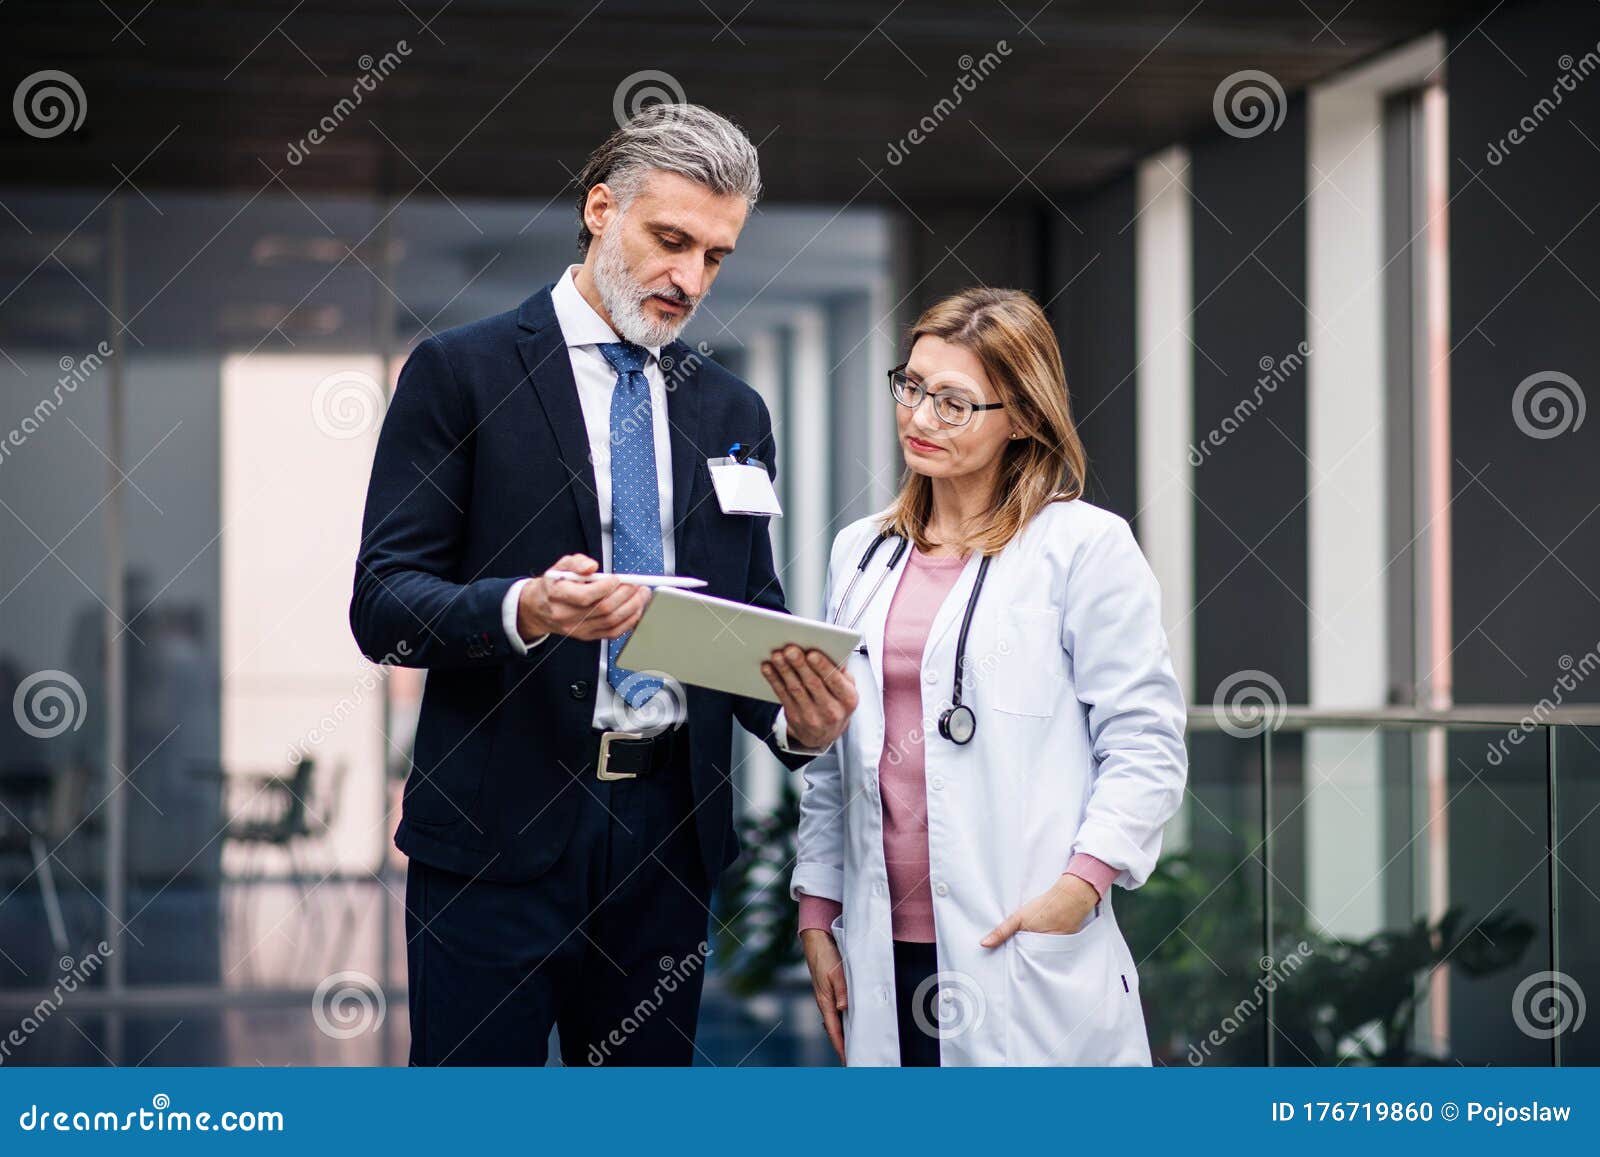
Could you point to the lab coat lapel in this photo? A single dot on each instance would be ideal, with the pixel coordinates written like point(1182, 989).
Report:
point(875, 616)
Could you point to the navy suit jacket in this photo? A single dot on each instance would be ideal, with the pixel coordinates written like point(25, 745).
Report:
point(482, 476)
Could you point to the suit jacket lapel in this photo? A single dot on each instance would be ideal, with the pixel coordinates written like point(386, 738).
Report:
point(548, 370)
point(680, 367)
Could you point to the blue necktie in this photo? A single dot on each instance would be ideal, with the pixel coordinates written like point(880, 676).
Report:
point(635, 497)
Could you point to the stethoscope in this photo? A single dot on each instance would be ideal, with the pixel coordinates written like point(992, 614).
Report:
point(957, 723)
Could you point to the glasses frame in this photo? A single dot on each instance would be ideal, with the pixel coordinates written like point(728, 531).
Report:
point(898, 375)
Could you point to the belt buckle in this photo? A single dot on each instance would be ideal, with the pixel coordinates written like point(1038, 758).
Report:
point(600, 771)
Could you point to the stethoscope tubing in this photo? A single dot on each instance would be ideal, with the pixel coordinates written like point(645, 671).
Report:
point(957, 723)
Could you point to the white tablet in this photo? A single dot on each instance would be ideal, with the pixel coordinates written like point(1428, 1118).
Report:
point(720, 644)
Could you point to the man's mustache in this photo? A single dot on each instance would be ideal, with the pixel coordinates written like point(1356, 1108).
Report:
point(674, 294)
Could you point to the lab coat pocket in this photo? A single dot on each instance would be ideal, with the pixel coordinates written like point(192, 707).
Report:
point(1070, 1003)
point(1029, 673)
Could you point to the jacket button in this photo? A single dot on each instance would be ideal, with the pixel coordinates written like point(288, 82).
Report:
point(579, 690)
point(937, 783)
point(942, 888)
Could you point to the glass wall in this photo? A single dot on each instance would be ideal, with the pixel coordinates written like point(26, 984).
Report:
point(200, 779)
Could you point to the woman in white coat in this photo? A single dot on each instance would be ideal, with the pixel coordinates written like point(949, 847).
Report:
point(958, 843)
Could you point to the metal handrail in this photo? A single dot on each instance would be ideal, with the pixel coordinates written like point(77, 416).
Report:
point(1299, 717)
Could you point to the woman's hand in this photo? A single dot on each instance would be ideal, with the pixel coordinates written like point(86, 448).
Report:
point(818, 697)
point(1061, 910)
point(827, 982)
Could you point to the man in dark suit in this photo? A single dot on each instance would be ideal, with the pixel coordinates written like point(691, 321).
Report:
point(566, 818)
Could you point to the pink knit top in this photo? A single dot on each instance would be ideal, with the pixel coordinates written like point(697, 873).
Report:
point(922, 589)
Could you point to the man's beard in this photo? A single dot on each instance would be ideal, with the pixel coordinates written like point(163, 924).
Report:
point(624, 298)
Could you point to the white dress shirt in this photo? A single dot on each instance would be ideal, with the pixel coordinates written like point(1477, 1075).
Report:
point(585, 331)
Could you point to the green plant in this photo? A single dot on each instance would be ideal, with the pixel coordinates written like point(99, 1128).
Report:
point(756, 920)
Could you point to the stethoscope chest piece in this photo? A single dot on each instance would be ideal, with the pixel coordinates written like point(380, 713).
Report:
point(958, 724)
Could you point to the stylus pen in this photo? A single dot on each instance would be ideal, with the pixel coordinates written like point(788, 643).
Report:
point(682, 582)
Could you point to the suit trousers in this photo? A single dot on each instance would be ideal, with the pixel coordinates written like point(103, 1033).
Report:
point(609, 945)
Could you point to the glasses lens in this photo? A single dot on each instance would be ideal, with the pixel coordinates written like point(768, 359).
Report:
point(906, 391)
point(953, 409)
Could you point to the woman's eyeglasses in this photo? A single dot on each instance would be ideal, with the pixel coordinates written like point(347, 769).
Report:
point(950, 408)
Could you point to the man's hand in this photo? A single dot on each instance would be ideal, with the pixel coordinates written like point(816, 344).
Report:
point(818, 697)
point(827, 983)
point(1060, 911)
point(600, 609)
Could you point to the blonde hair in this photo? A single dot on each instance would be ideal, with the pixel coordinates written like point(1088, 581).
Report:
point(1010, 335)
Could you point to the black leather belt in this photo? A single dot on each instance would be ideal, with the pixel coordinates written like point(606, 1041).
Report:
point(630, 755)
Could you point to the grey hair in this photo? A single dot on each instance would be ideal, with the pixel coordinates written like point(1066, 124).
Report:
point(687, 139)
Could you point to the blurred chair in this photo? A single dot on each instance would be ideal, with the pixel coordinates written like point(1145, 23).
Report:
point(265, 810)
point(40, 806)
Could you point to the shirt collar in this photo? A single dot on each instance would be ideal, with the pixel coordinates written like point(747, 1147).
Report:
point(580, 324)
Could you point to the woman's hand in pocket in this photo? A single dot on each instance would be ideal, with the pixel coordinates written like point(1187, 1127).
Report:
point(827, 982)
point(1060, 911)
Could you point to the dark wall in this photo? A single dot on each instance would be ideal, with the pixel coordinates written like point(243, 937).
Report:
point(1250, 510)
point(1091, 280)
point(1524, 300)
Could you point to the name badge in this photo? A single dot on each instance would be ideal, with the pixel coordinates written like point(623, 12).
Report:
point(743, 487)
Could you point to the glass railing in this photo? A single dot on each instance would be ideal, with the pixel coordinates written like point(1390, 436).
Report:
point(1378, 887)
point(1383, 887)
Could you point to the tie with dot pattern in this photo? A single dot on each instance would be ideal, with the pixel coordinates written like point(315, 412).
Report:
point(635, 496)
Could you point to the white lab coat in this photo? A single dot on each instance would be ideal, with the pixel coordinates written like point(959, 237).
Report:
point(1079, 748)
